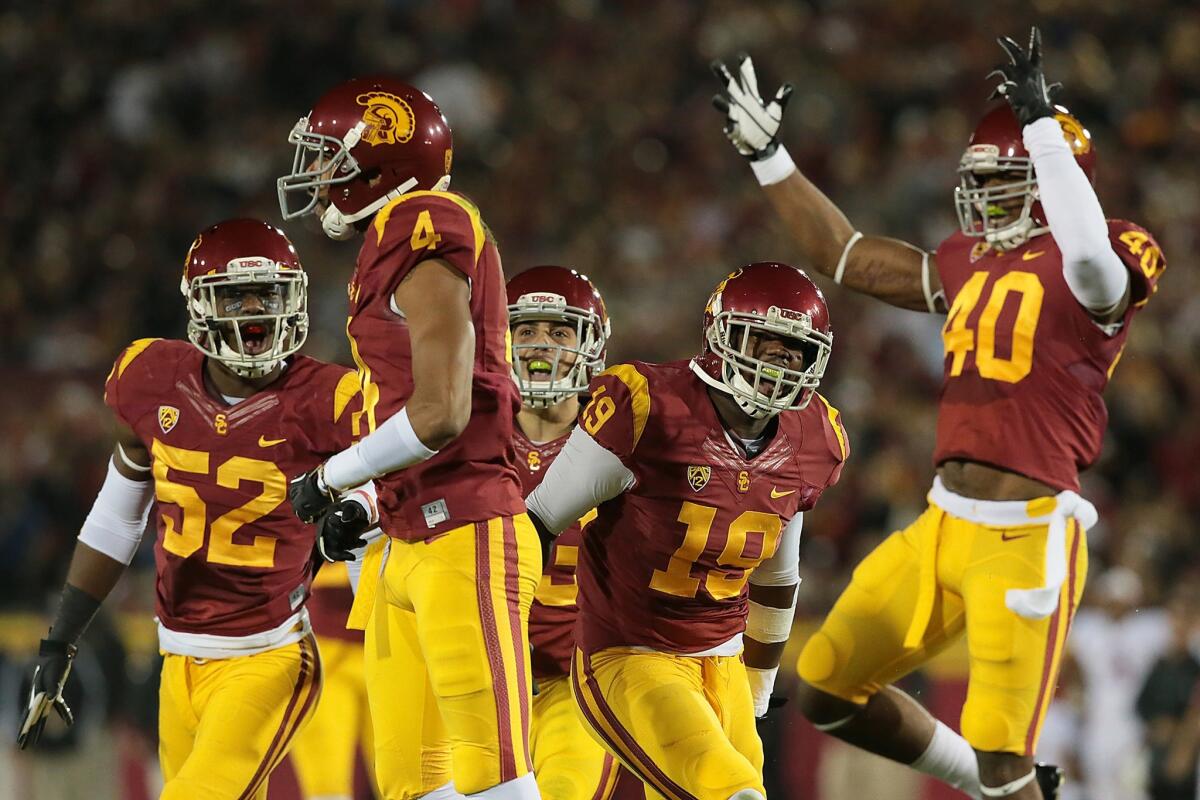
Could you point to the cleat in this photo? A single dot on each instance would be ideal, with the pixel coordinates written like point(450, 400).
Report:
point(1049, 778)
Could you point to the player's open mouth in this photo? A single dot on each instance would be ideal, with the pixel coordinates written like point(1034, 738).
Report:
point(254, 337)
point(539, 368)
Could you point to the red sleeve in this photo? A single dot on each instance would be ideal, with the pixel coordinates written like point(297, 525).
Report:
point(1141, 255)
point(836, 440)
point(618, 410)
point(333, 418)
point(344, 403)
point(119, 379)
point(426, 225)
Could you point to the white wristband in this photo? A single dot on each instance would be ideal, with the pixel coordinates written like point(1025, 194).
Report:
point(762, 683)
point(768, 624)
point(393, 446)
point(774, 167)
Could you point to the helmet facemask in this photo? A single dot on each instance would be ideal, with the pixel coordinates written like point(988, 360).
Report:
point(567, 370)
point(761, 388)
point(283, 323)
point(324, 161)
point(977, 204)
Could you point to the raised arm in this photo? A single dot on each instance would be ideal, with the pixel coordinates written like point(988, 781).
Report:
point(107, 541)
point(896, 272)
point(1092, 269)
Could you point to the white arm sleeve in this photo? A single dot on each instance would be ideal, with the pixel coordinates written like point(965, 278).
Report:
point(393, 446)
point(783, 568)
point(1093, 271)
point(582, 477)
point(117, 520)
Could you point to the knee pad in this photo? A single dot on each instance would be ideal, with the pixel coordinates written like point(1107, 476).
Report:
point(818, 660)
point(986, 727)
point(747, 794)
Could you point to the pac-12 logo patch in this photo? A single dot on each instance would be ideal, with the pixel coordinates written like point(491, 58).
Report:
point(389, 119)
point(167, 417)
point(698, 477)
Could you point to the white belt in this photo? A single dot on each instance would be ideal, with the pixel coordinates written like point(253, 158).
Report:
point(207, 645)
point(1039, 602)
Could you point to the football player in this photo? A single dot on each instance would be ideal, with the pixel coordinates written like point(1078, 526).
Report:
point(700, 472)
point(324, 752)
point(560, 329)
point(209, 429)
point(1040, 291)
point(447, 646)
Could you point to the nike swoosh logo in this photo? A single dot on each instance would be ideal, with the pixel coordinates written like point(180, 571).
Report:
point(1030, 255)
point(1004, 537)
point(776, 494)
point(263, 441)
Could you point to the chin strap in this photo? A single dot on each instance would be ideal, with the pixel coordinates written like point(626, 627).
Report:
point(340, 227)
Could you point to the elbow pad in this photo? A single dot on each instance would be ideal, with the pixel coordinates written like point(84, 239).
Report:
point(117, 520)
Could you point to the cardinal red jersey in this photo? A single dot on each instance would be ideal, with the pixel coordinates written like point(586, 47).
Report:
point(665, 564)
point(474, 478)
point(231, 557)
point(552, 616)
point(1025, 363)
point(330, 603)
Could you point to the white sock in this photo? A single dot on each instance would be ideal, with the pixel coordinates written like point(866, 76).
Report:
point(446, 792)
point(951, 760)
point(523, 788)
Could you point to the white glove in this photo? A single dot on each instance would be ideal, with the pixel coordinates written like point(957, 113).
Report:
point(751, 125)
point(762, 682)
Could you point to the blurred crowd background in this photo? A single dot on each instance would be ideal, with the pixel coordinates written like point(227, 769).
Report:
point(583, 129)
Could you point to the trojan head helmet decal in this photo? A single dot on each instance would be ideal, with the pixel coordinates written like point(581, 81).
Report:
point(389, 119)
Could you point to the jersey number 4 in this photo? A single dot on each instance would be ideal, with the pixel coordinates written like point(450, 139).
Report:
point(758, 527)
point(189, 537)
point(960, 340)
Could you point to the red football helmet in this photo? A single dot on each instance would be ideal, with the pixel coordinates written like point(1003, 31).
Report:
point(223, 262)
point(764, 298)
point(549, 372)
point(996, 146)
point(363, 130)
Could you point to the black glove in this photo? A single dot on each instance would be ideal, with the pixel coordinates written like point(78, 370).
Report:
point(751, 123)
point(340, 531)
point(49, 678)
point(1024, 83)
point(309, 501)
point(545, 537)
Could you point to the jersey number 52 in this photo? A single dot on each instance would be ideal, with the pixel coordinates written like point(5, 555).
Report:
point(189, 537)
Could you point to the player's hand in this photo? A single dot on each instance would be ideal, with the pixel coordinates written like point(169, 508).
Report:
point(1023, 84)
point(751, 125)
point(545, 538)
point(341, 530)
point(49, 677)
point(309, 495)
